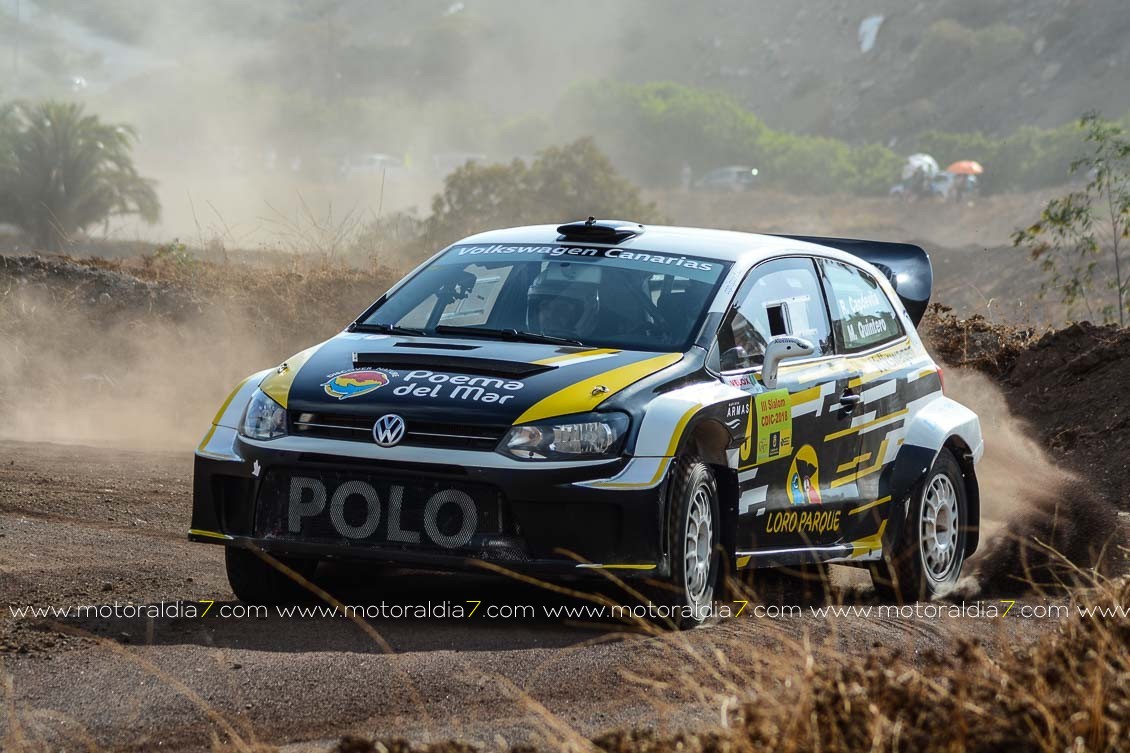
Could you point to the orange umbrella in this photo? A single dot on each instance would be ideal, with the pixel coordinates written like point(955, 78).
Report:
point(965, 167)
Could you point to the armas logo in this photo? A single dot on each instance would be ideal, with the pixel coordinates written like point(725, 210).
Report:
point(804, 478)
point(346, 384)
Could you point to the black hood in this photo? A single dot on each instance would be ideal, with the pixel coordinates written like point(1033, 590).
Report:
point(454, 380)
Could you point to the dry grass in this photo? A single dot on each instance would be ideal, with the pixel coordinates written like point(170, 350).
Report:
point(1070, 691)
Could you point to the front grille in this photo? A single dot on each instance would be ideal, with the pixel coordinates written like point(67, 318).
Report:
point(418, 433)
point(353, 508)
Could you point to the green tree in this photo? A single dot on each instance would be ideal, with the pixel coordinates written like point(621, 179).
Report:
point(653, 129)
point(1083, 235)
point(563, 183)
point(62, 171)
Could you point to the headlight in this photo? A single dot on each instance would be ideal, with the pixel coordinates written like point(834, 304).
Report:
point(581, 437)
point(264, 418)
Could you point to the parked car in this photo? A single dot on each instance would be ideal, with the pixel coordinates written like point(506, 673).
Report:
point(734, 178)
point(370, 164)
point(663, 403)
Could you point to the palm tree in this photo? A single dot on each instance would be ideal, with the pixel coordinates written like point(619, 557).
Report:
point(62, 171)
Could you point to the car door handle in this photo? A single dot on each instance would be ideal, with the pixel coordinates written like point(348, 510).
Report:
point(850, 400)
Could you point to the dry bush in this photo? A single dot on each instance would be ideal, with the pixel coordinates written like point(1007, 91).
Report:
point(1067, 692)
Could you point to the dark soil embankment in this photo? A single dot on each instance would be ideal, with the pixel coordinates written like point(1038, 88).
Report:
point(1067, 390)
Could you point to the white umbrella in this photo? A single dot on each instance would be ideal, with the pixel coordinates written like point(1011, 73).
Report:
point(920, 162)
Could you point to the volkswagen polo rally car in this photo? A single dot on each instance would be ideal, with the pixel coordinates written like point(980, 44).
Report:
point(663, 402)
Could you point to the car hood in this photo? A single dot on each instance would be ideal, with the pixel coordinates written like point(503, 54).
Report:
point(473, 380)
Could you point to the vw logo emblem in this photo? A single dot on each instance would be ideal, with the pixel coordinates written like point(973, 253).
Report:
point(388, 430)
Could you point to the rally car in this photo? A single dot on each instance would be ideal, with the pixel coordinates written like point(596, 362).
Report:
point(661, 402)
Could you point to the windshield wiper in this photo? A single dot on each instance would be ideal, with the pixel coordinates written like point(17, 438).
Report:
point(386, 329)
point(506, 334)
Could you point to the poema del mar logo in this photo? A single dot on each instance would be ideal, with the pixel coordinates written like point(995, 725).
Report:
point(347, 384)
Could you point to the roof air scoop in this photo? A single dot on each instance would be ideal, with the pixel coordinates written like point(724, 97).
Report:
point(599, 231)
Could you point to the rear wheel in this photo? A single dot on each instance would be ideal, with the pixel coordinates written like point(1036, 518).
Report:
point(927, 559)
point(693, 523)
point(255, 580)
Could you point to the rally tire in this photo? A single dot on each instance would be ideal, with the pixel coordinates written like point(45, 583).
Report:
point(694, 536)
point(926, 559)
point(255, 580)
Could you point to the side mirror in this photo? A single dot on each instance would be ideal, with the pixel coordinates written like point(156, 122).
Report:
point(782, 348)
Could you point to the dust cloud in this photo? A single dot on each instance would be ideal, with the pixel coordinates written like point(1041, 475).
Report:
point(1038, 521)
point(140, 382)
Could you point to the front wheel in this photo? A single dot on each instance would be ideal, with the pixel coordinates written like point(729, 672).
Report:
point(693, 525)
point(926, 560)
point(255, 580)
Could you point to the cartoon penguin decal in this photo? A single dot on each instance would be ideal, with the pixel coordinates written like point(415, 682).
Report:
point(804, 477)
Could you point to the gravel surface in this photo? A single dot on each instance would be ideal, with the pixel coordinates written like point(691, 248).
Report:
point(82, 525)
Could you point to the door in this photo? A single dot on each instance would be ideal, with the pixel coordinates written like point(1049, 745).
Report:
point(799, 434)
point(870, 335)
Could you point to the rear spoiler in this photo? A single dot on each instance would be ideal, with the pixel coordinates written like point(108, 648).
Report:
point(907, 267)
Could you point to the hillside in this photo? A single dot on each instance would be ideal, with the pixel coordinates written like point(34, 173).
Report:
point(956, 65)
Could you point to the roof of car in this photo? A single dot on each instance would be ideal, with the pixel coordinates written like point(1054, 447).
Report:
point(723, 245)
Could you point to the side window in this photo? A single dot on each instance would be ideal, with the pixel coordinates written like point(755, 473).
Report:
point(863, 315)
point(780, 297)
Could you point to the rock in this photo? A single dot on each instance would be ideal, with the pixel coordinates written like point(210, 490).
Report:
point(1038, 46)
point(1051, 71)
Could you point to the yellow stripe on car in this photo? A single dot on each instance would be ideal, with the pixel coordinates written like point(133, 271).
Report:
point(868, 425)
point(585, 395)
point(868, 544)
point(869, 505)
point(208, 534)
point(806, 396)
point(277, 385)
point(860, 473)
point(591, 566)
point(220, 413)
point(570, 357)
point(854, 462)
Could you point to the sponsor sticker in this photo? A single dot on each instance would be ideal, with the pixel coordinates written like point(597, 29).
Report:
point(354, 383)
point(804, 477)
point(476, 389)
point(803, 521)
point(774, 424)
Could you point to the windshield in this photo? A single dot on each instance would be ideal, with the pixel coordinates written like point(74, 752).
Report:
point(603, 297)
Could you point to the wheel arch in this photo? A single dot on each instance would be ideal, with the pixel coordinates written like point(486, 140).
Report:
point(910, 468)
point(964, 455)
point(709, 440)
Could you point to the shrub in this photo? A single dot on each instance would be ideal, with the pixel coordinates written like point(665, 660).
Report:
point(562, 183)
point(652, 130)
point(62, 171)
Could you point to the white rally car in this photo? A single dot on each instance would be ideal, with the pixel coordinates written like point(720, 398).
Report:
point(667, 403)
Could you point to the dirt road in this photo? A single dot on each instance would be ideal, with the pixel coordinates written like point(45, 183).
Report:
point(86, 526)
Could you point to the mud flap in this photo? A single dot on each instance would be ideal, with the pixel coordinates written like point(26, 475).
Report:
point(899, 481)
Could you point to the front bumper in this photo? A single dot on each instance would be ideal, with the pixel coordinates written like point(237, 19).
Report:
point(530, 517)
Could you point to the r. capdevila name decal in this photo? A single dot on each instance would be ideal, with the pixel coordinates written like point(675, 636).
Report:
point(600, 253)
